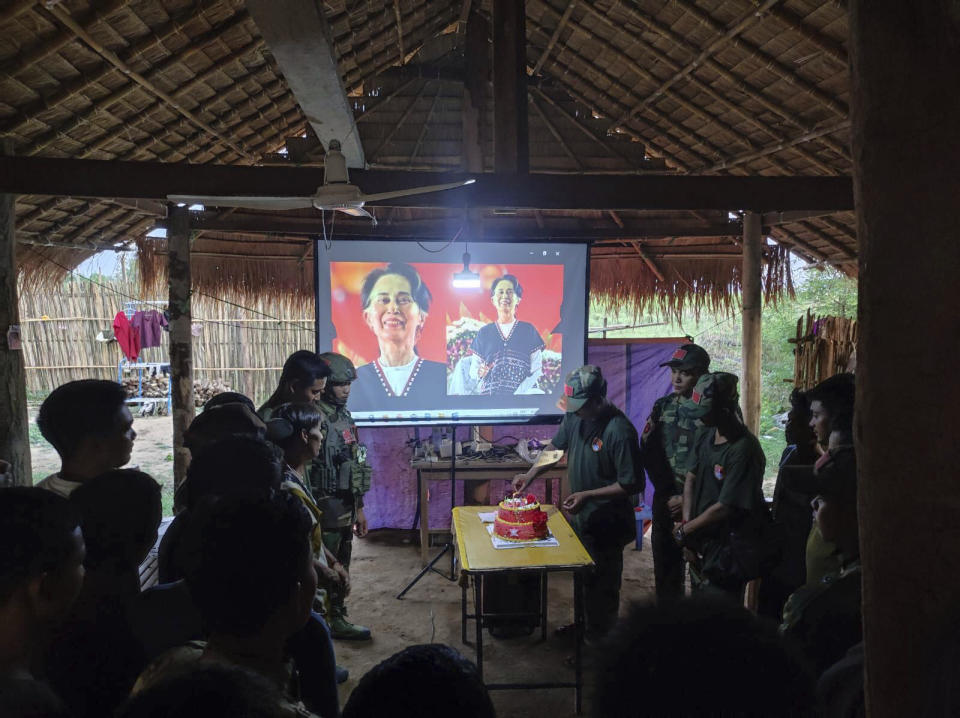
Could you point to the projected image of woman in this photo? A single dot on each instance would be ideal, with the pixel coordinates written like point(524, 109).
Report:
point(395, 304)
point(510, 351)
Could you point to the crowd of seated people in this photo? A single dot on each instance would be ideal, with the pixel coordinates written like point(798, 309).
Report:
point(236, 626)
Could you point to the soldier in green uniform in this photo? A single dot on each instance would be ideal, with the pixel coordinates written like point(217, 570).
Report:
point(339, 477)
point(723, 493)
point(668, 439)
point(605, 471)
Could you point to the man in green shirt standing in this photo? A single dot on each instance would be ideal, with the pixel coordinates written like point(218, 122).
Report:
point(605, 471)
point(339, 477)
point(724, 489)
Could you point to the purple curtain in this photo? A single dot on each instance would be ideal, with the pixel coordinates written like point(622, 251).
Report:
point(634, 381)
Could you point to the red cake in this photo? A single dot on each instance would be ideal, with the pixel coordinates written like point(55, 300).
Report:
point(520, 518)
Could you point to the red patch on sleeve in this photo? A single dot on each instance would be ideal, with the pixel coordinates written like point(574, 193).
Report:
point(697, 396)
point(348, 436)
point(568, 390)
point(679, 354)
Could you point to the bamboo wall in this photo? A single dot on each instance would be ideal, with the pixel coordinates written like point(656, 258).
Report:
point(243, 349)
point(823, 346)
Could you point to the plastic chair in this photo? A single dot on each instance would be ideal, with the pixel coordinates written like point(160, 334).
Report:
point(643, 514)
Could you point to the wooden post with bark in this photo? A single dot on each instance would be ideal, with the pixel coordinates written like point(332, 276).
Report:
point(181, 340)
point(15, 431)
point(752, 311)
point(511, 145)
point(905, 111)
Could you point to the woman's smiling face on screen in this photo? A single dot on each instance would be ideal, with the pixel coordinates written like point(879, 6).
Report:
point(393, 315)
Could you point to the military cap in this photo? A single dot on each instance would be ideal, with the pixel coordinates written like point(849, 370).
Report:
point(580, 386)
point(715, 390)
point(689, 356)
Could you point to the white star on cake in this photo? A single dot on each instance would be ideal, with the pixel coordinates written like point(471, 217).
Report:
point(515, 532)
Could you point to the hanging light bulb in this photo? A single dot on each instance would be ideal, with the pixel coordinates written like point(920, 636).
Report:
point(467, 278)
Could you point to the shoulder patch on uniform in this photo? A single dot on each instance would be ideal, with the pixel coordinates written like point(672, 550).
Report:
point(718, 472)
point(696, 397)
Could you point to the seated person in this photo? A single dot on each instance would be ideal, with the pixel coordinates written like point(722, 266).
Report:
point(94, 657)
point(239, 464)
point(41, 572)
point(825, 620)
point(250, 572)
point(215, 690)
point(699, 657)
point(90, 426)
point(423, 680)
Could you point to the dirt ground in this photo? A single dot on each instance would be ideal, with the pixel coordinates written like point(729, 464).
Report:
point(384, 563)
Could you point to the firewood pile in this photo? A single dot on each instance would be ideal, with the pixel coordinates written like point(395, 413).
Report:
point(156, 387)
point(823, 346)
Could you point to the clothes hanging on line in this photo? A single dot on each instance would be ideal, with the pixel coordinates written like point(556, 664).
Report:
point(150, 324)
point(127, 335)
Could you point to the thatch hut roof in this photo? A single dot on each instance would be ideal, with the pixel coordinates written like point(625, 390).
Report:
point(738, 87)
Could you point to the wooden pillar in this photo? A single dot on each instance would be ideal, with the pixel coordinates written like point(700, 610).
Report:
point(15, 431)
point(476, 78)
point(181, 340)
point(752, 300)
point(906, 150)
point(511, 148)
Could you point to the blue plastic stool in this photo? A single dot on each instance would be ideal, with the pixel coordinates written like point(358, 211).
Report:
point(642, 514)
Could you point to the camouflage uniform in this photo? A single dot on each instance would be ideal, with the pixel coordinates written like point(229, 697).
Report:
point(668, 442)
point(339, 477)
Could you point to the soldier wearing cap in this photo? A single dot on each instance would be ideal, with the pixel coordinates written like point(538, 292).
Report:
point(339, 477)
point(723, 490)
point(824, 620)
point(667, 440)
point(605, 470)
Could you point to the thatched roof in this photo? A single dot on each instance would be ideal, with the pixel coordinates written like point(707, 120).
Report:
point(716, 86)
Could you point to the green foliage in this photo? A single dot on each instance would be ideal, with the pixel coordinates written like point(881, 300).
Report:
point(824, 292)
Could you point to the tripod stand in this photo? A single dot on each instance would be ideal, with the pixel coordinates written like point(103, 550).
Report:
point(448, 546)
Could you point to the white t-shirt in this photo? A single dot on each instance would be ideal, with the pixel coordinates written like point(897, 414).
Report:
point(397, 376)
point(59, 486)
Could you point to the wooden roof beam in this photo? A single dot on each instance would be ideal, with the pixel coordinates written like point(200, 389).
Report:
point(553, 131)
point(15, 10)
point(564, 19)
point(91, 178)
point(30, 111)
point(64, 18)
point(50, 45)
point(783, 236)
point(298, 37)
point(755, 93)
point(403, 118)
point(785, 71)
point(648, 260)
point(829, 239)
point(580, 126)
point(426, 125)
point(830, 47)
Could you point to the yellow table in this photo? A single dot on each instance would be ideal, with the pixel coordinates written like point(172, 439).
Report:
point(478, 558)
point(474, 470)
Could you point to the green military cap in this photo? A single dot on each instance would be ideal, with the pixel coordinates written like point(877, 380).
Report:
point(581, 385)
point(341, 368)
point(715, 390)
point(689, 356)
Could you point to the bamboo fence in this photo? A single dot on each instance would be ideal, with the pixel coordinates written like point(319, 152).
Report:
point(823, 346)
point(241, 348)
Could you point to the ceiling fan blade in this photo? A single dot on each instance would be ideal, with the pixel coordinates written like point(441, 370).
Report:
point(413, 190)
point(245, 202)
point(357, 212)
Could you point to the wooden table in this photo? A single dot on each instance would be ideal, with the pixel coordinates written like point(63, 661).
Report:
point(473, 470)
point(479, 558)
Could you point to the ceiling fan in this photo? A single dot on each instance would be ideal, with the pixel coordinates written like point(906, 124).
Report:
point(336, 193)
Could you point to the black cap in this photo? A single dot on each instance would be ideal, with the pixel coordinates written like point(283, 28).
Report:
point(689, 356)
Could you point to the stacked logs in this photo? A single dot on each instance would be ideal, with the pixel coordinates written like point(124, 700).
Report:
point(155, 387)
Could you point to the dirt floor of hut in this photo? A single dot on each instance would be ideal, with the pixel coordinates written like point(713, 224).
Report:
point(383, 563)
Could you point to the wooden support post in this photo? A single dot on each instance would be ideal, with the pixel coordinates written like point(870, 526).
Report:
point(752, 308)
point(511, 146)
point(15, 432)
point(181, 340)
point(476, 77)
point(906, 151)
